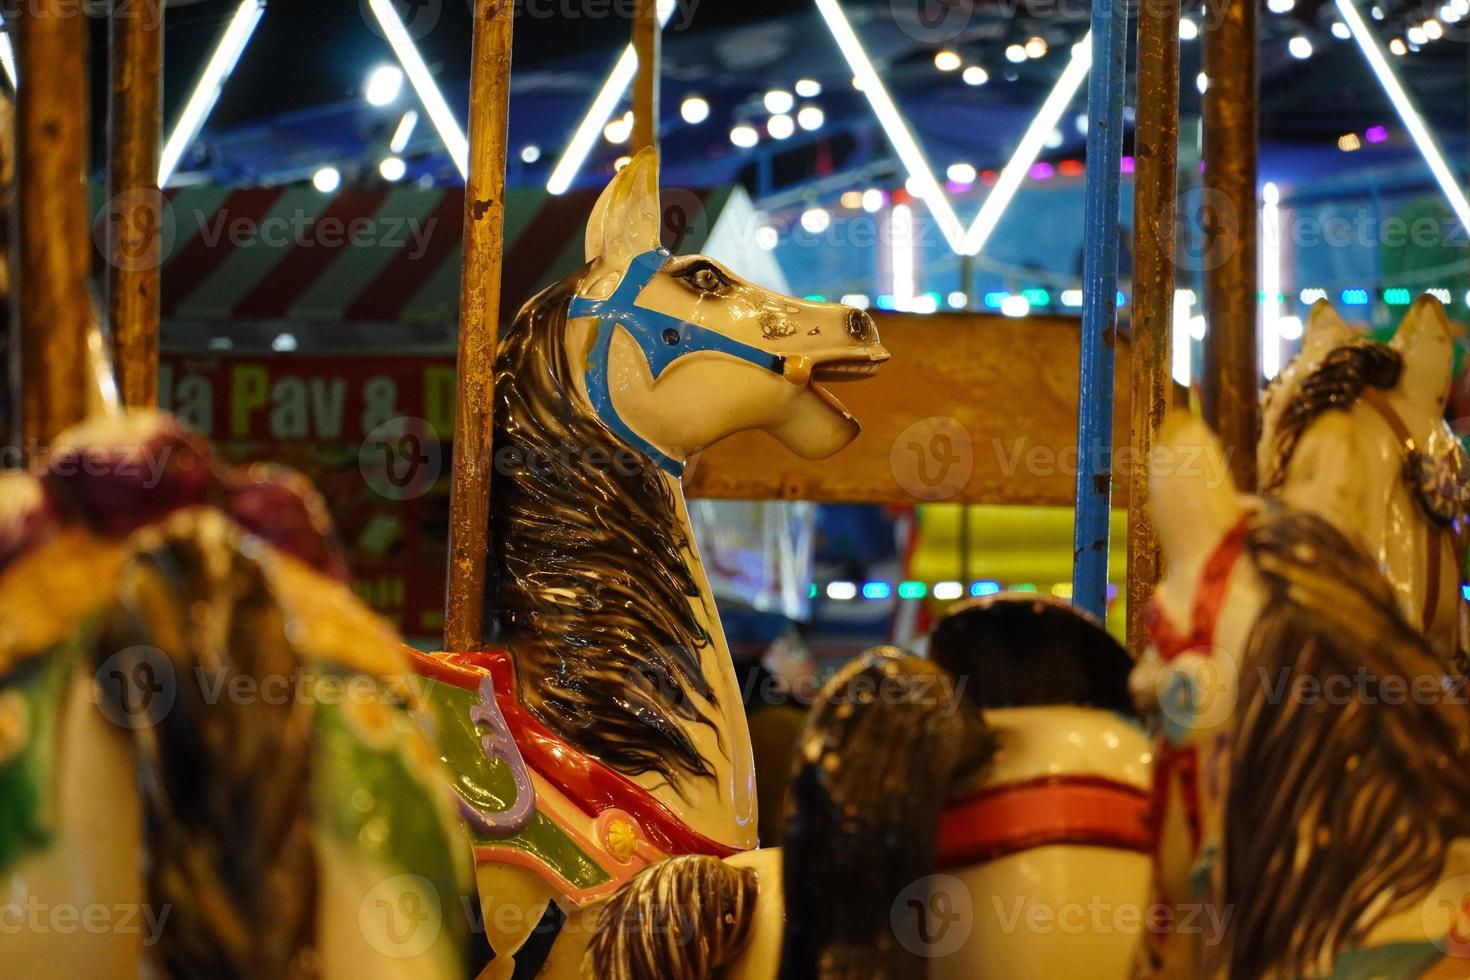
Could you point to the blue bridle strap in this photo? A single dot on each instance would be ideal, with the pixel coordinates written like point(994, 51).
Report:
point(662, 338)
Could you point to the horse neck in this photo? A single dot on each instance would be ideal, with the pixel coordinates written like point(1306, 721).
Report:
point(729, 816)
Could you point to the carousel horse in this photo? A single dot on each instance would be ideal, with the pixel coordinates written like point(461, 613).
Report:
point(209, 764)
point(600, 730)
point(1355, 432)
point(1314, 755)
point(981, 814)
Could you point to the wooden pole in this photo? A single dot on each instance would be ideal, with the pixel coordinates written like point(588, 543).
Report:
point(135, 205)
point(52, 246)
point(647, 42)
point(484, 244)
point(1156, 150)
point(1231, 377)
point(1099, 305)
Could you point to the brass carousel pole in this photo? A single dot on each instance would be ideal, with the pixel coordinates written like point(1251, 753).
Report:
point(1231, 378)
point(50, 258)
point(134, 131)
point(1156, 149)
point(479, 312)
point(647, 37)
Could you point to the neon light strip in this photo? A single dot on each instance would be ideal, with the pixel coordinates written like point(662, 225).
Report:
point(1183, 352)
point(1029, 148)
point(7, 54)
point(962, 241)
point(448, 128)
point(601, 110)
point(207, 90)
point(1413, 122)
point(1270, 280)
point(904, 144)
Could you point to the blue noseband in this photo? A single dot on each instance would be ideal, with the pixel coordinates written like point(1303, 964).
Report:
point(662, 338)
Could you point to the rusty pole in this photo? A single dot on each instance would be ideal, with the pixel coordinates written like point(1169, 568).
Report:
point(1156, 150)
point(50, 257)
point(647, 41)
point(135, 205)
point(479, 312)
point(1231, 377)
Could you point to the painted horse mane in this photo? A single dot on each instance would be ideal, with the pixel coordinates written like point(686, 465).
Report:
point(1336, 383)
point(590, 581)
point(1381, 782)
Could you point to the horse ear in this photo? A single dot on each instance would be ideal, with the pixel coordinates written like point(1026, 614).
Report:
point(1192, 494)
point(1425, 338)
point(1325, 330)
point(627, 218)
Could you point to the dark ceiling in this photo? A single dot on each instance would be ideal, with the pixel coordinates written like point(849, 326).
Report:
point(296, 94)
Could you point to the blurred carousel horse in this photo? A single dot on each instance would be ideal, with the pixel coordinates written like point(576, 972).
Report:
point(1355, 432)
point(209, 765)
point(939, 810)
point(601, 730)
point(1315, 758)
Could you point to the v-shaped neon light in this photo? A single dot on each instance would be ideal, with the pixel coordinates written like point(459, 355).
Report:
point(964, 241)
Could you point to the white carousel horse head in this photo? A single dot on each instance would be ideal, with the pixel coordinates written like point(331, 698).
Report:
point(1356, 433)
point(705, 354)
point(605, 650)
point(173, 757)
point(1295, 790)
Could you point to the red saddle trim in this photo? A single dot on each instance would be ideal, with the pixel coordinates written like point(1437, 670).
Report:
point(1086, 811)
point(587, 782)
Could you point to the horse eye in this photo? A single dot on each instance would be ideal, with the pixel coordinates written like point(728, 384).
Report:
point(707, 280)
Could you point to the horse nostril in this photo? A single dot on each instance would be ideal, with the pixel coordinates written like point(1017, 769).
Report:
point(860, 326)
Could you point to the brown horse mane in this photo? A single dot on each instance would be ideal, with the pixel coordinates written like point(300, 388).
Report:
point(590, 581)
point(1340, 808)
point(1336, 383)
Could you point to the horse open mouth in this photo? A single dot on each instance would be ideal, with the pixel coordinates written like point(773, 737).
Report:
point(842, 368)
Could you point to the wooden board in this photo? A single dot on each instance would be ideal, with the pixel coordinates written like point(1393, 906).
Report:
point(972, 407)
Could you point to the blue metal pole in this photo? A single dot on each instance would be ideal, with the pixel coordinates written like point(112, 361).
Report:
point(1099, 304)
